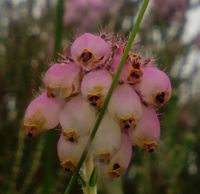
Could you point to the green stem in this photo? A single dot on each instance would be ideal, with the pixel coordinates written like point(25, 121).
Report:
point(131, 38)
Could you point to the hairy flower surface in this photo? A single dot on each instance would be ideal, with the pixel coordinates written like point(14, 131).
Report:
point(86, 53)
point(95, 86)
point(77, 118)
point(62, 80)
point(155, 87)
point(147, 132)
point(126, 106)
point(42, 114)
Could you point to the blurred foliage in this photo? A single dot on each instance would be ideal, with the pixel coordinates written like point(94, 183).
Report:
point(26, 48)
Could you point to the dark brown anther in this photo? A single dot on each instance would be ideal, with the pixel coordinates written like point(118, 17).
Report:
point(103, 36)
point(86, 56)
point(136, 65)
point(126, 126)
point(116, 166)
point(93, 98)
point(151, 150)
point(135, 75)
point(30, 134)
point(67, 170)
point(160, 97)
point(71, 139)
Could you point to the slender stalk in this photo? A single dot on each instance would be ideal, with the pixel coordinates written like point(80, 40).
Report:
point(131, 38)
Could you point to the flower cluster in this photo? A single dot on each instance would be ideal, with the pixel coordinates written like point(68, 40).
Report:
point(75, 90)
point(169, 9)
point(89, 12)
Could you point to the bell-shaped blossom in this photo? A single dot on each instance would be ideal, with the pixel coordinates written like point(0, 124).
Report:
point(62, 80)
point(41, 114)
point(107, 139)
point(155, 87)
point(126, 106)
point(77, 118)
point(121, 159)
point(95, 86)
point(147, 132)
point(90, 51)
point(69, 153)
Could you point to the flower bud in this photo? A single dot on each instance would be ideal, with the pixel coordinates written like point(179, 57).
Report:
point(90, 51)
point(69, 153)
point(62, 80)
point(121, 159)
point(42, 114)
point(147, 132)
point(77, 118)
point(125, 105)
point(95, 86)
point(155, 87)
point(107, 139)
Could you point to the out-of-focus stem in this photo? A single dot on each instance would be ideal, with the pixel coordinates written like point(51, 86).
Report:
point(17, 161)
point(131, 38)
point(34, 165)
point(58, 26)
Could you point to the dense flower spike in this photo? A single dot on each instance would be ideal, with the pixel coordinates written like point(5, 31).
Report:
point(77, 118)
point(95, 86)
point(62, 80)
point(147, 133)
point(155, 87)
point(120, 161)
point(125, 105)
point(69, 152)
point(42, 114)
point(86, 53)
point(75, 90)
point(107, 140)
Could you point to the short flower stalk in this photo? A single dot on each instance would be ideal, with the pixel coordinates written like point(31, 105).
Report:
point(88, 170)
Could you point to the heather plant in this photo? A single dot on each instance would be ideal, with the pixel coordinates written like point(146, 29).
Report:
point(92, 10)
point(171, 169)
point(76, 96)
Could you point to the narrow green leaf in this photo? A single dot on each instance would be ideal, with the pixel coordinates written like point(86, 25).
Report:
point(93, 177)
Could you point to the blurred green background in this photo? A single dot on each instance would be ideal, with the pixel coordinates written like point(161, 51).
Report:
point(33, 32)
